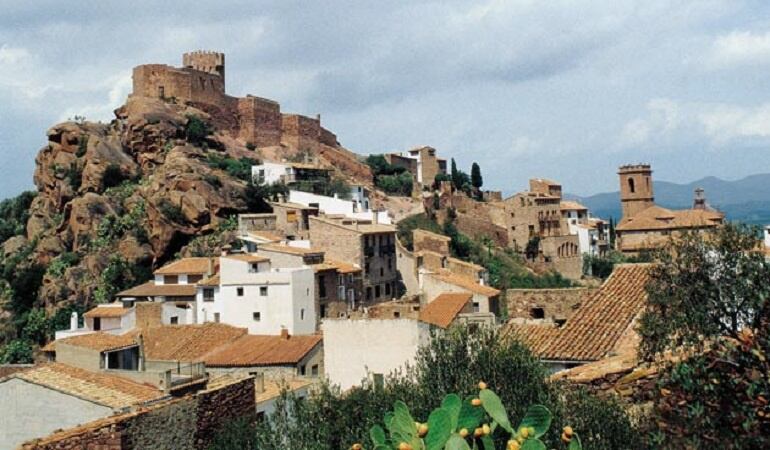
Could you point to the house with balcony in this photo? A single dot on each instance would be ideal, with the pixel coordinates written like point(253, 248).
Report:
point(289, 173)
point(357, 206)
point(592, 232)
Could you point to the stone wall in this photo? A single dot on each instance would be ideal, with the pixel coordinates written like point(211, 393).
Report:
point(185, 423)
point(148, 314)
point(425, 240)
point(300, 132)
point(260, 121)
point(556, 304)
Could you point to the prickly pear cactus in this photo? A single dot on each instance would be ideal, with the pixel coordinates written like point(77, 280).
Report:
point(464, 425)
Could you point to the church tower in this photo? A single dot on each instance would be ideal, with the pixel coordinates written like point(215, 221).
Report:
point(635, 188)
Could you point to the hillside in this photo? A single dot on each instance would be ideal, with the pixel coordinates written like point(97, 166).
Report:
point(114, 201)
point(746, 200)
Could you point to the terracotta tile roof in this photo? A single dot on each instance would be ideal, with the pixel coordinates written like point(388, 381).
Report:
point(210, 281)
point(107, 311)
point(658, 218)
point(150, 289)
point(443, 310)
point(197, 265)
point(247, 257)
point(535, 335)
point(186, 342)
point(291, 250)
point(274, 388)
point(99, 341)
point(571, 205)
point(104, 389)
point(601, 324)
point(465, 283)
point(339, 266)
point(262, 350)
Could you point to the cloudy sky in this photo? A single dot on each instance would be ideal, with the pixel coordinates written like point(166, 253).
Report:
point(560, 89)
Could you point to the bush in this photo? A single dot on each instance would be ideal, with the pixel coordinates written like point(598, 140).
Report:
point(196, 130)
point(82, 146)
point(213, 180)
point(74, 176)
point(18, 351)
point(59, 264)
point(117, 276)
point(113, 176)
point(237, 168)
point(400, 184)
point(172, 212)
point(14, 213)
point(406, 227)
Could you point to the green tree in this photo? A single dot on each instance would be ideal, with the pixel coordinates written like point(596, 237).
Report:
point(455, 175)
point(705, 285)
point(18, 351)
point(476, 180)
point(14, 213)
point(196, 129)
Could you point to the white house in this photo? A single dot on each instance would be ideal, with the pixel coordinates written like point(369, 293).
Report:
point(356, 349)
point(358, 207)
point(286, 173)
point(591, 232)
point(249, 293)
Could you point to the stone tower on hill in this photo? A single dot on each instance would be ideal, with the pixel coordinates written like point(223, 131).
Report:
point(200, 82)
point(635, 188)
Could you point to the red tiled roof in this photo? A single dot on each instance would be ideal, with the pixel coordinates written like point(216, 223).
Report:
point(99, 341)
point(599, 324)
point(261, 350)
point(107, 311)
point(186, 342)
point(443, 310)
point(247, 257)
point(150, 289)
point(465, 283)
point(658, 218)
point(104, 389)
point(196, 265)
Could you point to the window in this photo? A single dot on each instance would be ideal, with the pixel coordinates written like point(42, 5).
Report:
point(174, 320)
point(387, 289)
point(366, 268)
point(340, 280)
point(208, 294)
point(171, 279)
point(302, 314)
point(322, 286)
point(216, 317)
point(390, 264)
point(254, 267)
point(631, 186)
point(161, 92)
point(97, 323)
point(257, 316)
point(537, 313)
point(302, 370)
point(263, 291)
point(192, 279)
point(239, 291)
point(340, 292)
point(475, 306)
point(314, 370)
point(382, 272)
point(368, 292)
point(377, 291)
point(323, 310)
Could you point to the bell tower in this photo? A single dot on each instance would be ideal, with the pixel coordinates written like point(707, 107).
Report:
point(635, 188)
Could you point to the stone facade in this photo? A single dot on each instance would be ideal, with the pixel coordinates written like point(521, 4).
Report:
point(421, 162)
point(636, 193)
point(425, 240)
point(185, 423)
point(255, 120)
point(546, 304)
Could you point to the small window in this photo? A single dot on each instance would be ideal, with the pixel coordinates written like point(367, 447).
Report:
point(174, 320)
point(171, 279)
point(537, 313)
point(216, 317)
point(254, 267)
point(631, 186)
point(192, 279)
point(302, 370)
point(302, 314)
point(208, 295)
point(382, 272)
point(314, 370)
point(476, 307)
point(396, 314)
point(263, 291)
point(239, 292)
point(257, 316)
point(387, 289)
point(377, 291)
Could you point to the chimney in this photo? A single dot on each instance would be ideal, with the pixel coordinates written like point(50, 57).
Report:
point(284, 333)
point(210, 270)
point(74, 321)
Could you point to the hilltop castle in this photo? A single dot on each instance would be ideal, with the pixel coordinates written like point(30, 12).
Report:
point(200, 82)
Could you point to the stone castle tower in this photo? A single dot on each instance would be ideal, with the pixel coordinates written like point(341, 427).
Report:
point(635, 188)
point(205, 61)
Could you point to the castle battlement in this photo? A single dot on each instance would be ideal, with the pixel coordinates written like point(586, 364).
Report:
point(633, 168)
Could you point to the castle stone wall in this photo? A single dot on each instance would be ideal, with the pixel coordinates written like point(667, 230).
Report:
point(260, 121)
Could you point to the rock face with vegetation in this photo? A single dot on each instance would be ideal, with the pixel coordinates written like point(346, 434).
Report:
point(116, 200)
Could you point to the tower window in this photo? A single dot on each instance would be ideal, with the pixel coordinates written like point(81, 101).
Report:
point(631, 186)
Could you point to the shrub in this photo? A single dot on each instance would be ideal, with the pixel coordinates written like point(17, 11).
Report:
point(82, 146)
point(14, 213)
point(251, 146)
point(196, 129)
point(74, 176)
point(117, 276)
point(113, 176)
point(18, 351)
point(238, 168)
point(213, 180)
point(59, 264)
point(171, 212)
point(400, 184)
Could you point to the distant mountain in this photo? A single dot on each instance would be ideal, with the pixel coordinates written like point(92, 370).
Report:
point(745, 200)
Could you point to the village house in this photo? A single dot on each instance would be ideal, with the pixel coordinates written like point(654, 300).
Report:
point(421, 162)
point(592, 233)
point(603, 326)
point(338, 285)
point(357, 207)
point(646, 226)
point(365, 244)
point(249, 292)
point(54, 396)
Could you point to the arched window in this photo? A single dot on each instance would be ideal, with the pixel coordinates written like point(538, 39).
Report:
point(631, 186)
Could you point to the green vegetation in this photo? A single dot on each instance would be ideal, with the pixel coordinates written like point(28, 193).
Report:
point(171, 211)
point(18, 351)
point(237, 168)
point(602, 266)
point(460, 179)
point(391, 179)
point(113, 227)
point(258, 196)
point(211, 244)
point(709, 300)
point(342, 420)
point(196, 129)
point(118, 276)
point(59, 264)
point(82, 146)
point(14, 213)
